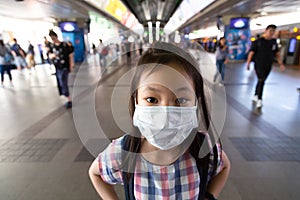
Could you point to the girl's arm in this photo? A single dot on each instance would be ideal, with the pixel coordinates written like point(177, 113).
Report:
point(217, 182)
point(105, 190)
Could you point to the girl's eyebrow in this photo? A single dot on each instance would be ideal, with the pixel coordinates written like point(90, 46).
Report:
point(151, 88)
point(184, 89)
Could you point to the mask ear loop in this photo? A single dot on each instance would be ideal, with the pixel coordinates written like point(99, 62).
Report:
point(135, 102)
point(197, 103)
point(198, 110)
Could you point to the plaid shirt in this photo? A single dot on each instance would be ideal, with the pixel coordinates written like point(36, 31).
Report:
point(180, 180)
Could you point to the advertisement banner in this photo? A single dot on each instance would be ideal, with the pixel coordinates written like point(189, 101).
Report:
point(238, 41)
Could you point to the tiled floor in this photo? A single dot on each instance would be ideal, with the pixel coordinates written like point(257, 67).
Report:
point(46, 150)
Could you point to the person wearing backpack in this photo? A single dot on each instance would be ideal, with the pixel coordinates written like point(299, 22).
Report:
point(264, 49)
point(5, 62)
point(167, 155)
point(103, 52)
point(19, 55)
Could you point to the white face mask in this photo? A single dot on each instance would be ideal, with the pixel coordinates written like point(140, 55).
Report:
point(165, 127)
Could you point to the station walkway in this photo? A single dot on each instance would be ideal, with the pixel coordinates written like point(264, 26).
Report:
point(42, 155)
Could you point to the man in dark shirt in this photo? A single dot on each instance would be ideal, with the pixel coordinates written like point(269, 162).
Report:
point(61, 54)
point(264, 50)
point(19, 55)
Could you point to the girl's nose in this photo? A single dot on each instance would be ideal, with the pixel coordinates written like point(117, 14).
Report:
point(168, 103)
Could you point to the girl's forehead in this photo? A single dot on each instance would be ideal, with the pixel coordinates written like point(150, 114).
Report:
point(172, 77)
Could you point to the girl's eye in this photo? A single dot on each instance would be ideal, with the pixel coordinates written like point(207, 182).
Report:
point(180, 101)
point(151, 100)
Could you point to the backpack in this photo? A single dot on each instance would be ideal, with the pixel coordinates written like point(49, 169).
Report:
point(203, 170)
point(8, 57)
point(104, 51)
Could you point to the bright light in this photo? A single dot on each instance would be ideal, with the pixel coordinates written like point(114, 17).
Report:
point(157, 30)
point(264, 13)
point(130, 38)
point(185, 11)
point(146, 9)
point(278, 20)
point(298, 37)
point(69, 27)
point(177, 37)
point(208, 32)
point(239, 24)
point(252, 39)
point(150, 32)
point(295, 29)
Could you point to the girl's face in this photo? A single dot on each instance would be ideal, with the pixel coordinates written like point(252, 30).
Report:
point(166, 86)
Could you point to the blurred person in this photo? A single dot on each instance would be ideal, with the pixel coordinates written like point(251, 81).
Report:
point(47, 44)
point(60, 55)
point(103, 51)
point(221, 59)
point(94, 49)
point(141, 47)
point(19, 55)
point(30, 55)
point(264, 49)
point(117, 48)
point(128, 49)
point(6, 59)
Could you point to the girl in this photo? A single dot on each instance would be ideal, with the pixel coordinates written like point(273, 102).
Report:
point(221, 59)
point(160, 158)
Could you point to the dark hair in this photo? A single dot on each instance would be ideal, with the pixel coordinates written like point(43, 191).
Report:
point(52, 33)
point(164, 54)
point(1, 43)
point(219, 43)
point(273, 26)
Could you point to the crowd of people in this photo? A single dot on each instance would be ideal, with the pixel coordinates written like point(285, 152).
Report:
point(57, 53)
point(15, 56)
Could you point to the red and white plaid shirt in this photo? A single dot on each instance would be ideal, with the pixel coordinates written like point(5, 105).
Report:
point(180, 180)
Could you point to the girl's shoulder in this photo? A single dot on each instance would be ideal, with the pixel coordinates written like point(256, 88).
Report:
point(113, 150)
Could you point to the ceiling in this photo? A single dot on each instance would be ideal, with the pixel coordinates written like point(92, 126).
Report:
point(152, 10)
point(244, 8)
point(41, 9)
point(146, 10)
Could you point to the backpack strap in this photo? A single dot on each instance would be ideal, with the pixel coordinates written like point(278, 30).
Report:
point(128, 184)
point(202, 163)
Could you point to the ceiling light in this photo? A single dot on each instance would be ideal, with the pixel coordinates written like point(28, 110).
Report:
point(263, 13)
point(160, 6)
point(145, 7)
point(44, 1)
